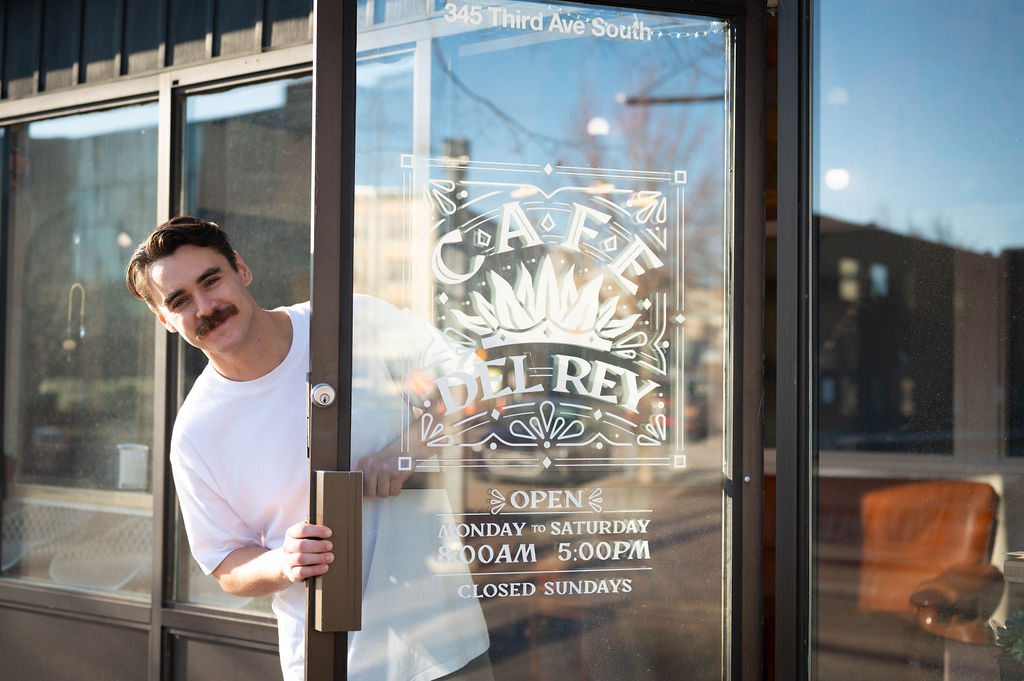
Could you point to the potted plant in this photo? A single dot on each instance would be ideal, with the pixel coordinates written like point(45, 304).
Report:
point(1010, 641)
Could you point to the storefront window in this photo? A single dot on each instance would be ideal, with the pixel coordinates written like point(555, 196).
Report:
point(247, 167)
point(920, 395)
point(78, 376)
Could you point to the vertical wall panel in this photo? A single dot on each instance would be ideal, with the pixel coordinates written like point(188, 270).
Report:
point(102, 29)
point(62, 32)
point(54, 647)
point(288, 22)
point(21, 49)
point(200, 660)
point(238, 27)
point(145, 28)
point(190, 32)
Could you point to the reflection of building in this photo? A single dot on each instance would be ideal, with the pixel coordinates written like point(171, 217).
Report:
point(914, 334)
point(1012, 319)
point(382, 265)
point(877, 304)
point(705, 359)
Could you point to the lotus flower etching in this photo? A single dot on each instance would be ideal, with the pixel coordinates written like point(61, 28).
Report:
point(547, 428)
point(547, 309)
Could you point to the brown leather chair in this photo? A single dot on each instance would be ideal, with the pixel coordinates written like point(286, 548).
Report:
point(926, 547)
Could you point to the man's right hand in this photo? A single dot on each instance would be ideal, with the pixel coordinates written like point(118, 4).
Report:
point(255, 571)
point(306, 552)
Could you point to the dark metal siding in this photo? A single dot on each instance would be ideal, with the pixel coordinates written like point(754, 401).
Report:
point(196, 659)
point(102, 37)
point(286, 25)
point(189, 23)
point(61, 44)
point(23, 29)
point(145, 30)
point(238, 27)
point(43, 646)
point(48, 45)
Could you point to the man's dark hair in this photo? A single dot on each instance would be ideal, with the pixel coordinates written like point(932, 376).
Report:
point(165, 240)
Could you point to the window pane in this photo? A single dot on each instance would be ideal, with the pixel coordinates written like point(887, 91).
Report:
point(247, 168)
point(918, 210)
point(541, 247)
point(78, 409)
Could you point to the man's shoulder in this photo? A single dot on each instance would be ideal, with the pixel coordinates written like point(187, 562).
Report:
point(362, 303)
point(371, 313)
point(298, 310)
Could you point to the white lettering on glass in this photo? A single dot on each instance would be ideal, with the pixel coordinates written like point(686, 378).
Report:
point(516, 20)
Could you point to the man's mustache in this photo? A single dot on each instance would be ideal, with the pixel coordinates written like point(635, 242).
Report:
point(207, 323)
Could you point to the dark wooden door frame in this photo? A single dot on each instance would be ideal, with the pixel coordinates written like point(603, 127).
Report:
point(334, 50)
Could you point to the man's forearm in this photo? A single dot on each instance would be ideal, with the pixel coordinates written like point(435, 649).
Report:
point(256, 571)
point(252, 571)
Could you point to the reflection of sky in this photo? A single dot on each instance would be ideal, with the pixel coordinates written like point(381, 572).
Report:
point(919, 101)
point(95, 123)
point(527, 96)
point(232, 103)
point(384, 129)
point(229, 104)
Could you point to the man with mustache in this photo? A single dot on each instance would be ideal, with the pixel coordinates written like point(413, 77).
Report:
point(207, 324)
point(238, 455)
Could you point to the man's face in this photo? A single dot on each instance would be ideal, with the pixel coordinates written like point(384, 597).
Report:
point(196, 292)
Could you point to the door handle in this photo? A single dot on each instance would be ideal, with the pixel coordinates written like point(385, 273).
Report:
point(337, 595)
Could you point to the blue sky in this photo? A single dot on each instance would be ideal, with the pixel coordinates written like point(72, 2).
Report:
point(919, 101)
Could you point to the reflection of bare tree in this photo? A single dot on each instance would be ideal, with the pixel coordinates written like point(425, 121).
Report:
point(941, 230)
point(666, 135)
point(514, 127)
point(670, 121)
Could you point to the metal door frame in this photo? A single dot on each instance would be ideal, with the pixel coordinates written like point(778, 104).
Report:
point(795, 422)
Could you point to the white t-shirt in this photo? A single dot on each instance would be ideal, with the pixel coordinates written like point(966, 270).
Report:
point(238, 454)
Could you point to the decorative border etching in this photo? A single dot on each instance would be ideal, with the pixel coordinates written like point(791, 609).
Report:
point(566, 285)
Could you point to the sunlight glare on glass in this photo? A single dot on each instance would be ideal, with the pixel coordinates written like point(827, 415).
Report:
point(238, 102)
point(838, 96)
point(598, 126)
point(837, 179)
point(95, 123)
point(523, 191)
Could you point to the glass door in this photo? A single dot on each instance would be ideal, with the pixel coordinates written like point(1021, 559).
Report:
point(542, 342)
